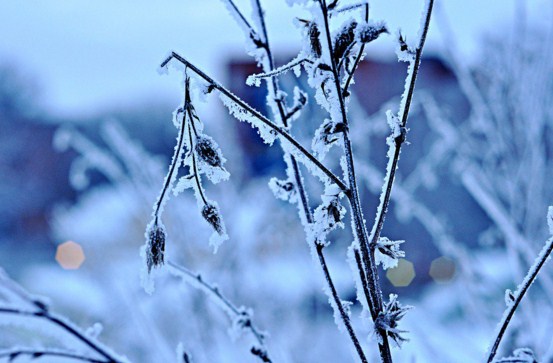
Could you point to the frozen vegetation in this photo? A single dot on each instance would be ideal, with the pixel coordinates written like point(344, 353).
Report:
point(210, 244)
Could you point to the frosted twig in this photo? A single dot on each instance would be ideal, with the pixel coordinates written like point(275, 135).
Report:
point(351, 7)
point(398, 140)
point(519, 294)
point(243, 105)
point(254, 78)
point(66, 326)
point(196, 280)
point(242, 18)
point(176, 160)
point(194, 162)
point(40, 311)
point(12, 354)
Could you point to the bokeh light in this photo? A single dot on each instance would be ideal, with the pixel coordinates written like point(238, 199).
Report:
point(402, 275)
point(442, 270)
point(70, 255)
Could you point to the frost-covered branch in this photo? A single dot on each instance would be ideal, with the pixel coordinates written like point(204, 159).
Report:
point(399, 122)
point(65, 325)
point(33, 354)
point(241, 317)
point(243, 22)
point(515, 298)
point(254, 79)
point(36, 308)
point(251, 111)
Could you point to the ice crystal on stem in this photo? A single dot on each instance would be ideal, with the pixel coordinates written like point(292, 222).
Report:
point(387, 252)
point(388, 319)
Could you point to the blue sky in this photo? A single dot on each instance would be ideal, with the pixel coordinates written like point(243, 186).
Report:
point(88, 54)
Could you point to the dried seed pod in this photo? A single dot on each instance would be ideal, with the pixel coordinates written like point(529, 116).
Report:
point(343, 40)
point(156, 247)
point(369, 32)
point(210, 212)
point(208, 151)
point(335, 213)
point(329, 129)
point(283, 189)
point(315, 43)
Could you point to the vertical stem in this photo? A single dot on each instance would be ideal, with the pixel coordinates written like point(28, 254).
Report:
point(303, 195)
point(519, 294)
point(371, 273)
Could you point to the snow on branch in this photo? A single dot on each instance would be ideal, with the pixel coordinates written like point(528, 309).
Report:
point(516, 297)
point(241, 317)
point(20, 306)
point(36, 354)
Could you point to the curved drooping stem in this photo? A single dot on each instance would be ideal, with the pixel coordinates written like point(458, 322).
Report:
point(64, 325)
point(518, 295)
point(234, 312)
point(36, 353)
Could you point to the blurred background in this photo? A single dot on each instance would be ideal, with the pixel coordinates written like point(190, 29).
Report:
point(87, 138)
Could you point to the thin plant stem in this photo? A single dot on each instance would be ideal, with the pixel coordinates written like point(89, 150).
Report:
point(303, 198)
point(189, 276)
point(56, 320)
point(371, 273)
point(176, 160)
point(280, 70)
point(194, 166)
point(242, 17)
point(398, 142)
point(10, 354)
point(518, 295)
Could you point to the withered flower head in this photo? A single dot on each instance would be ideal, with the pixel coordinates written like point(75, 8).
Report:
point(212, 216)
point(370, 32)
point(156, 247)
point(208, 151)
point(343, 40)
point(388, 319)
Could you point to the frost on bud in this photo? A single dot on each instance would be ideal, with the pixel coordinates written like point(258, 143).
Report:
point(388, 320)
point(343, 40)
point(241, 322)
point(155, 251)
point(509, 297)
point(210, 159)
point(208, 151)
point(328, 216)
point(368, 32)
point(211, 214)
point(315, 49)
point(403, 51)
point(521, 355)
point(388, 253)
point(326, 135)
point(283, 189)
